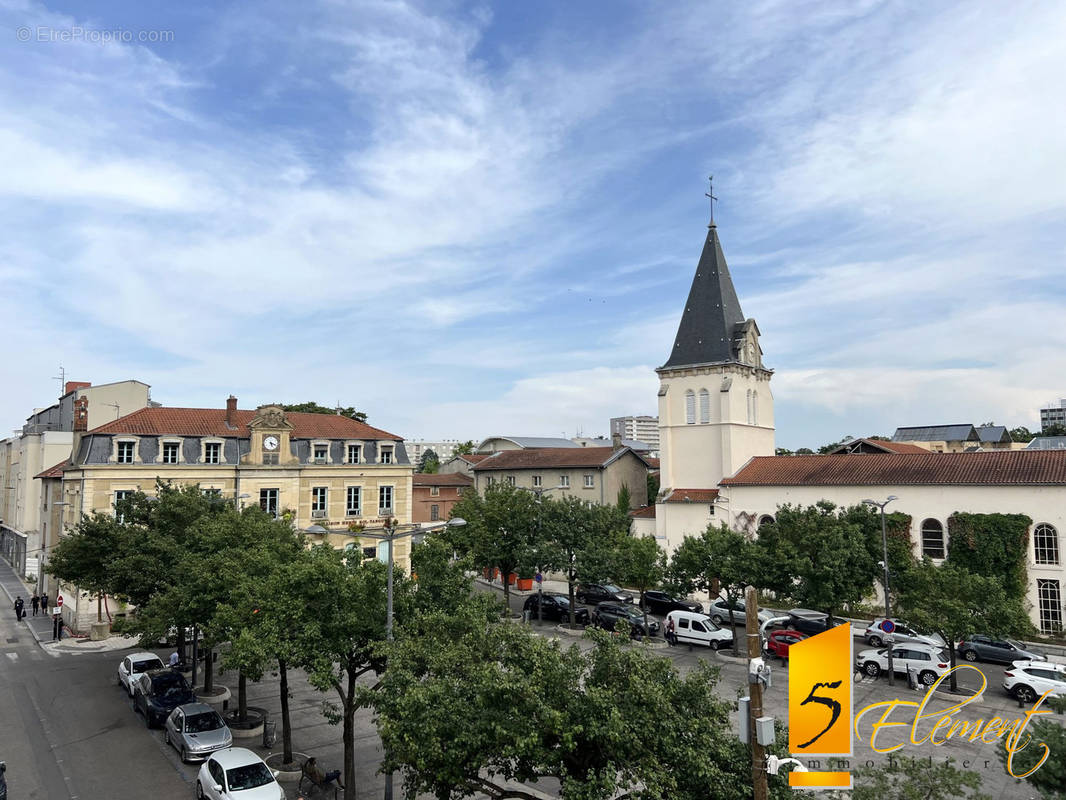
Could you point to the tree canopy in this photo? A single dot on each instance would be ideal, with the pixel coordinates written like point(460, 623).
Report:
point(311, 407)
point(428, 462)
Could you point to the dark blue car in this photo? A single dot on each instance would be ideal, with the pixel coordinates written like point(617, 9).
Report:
point(158, 692)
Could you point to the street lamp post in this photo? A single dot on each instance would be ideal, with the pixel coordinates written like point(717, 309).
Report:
point(884, 551)
point(390, 536)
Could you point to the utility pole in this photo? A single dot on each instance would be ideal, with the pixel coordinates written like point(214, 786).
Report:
point(758, 752)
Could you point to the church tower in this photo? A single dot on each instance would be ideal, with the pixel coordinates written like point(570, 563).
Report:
point(715, 406)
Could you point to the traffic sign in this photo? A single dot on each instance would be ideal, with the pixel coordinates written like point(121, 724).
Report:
point(59, 601)
point(888, 626)
point(538, 578)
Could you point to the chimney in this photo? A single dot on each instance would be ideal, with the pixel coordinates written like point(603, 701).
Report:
point(81, 414)
point(72, 386)
point(616, 440)
point(231, 409)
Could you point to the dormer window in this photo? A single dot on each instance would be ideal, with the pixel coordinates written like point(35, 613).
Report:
point(213, 452)
point(125, 452)
point(386, 454)
point(171, 452)
point(320, 452)
point(355, 453)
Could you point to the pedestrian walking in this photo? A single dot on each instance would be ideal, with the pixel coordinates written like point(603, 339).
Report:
point(44, 602)
point(19, 606)
point(671, 634)
point(35, 603)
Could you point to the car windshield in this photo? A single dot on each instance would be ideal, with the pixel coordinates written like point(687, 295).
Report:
point(144, 666)
point(248, 777)
point(635, 613)
point(202, 723)
point(943, 655)
point(564, 602)
point(1015, 644)
point(610, 587)
point(170, 684)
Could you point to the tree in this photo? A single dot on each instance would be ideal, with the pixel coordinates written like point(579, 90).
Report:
point(826, 448)
point(84, 557)
point(897, 536)
point(1050, 778)
point(464, 448)
point(624, 500)
point(653, 486)
point(314, 408)
point(640, 563)
point(1054, 429)
point(782, 451)
point(816, 557)
point(343, 639)
point(805, 451)
point(905, 778)
point(468, 708)
point(718, 560)
point(501, 529)
point(956, 603)
point(1021, 434)
point(428, 462)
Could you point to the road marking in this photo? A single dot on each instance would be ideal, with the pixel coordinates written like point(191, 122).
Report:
point(12, 656)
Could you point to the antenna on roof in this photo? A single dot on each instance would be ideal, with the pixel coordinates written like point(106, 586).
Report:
point(710, 193)
point(62, 378)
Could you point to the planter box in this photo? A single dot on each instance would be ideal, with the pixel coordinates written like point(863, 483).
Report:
point(511, 578)
point(525, 584)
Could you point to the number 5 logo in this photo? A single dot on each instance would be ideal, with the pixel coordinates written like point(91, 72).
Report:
point(828, 702)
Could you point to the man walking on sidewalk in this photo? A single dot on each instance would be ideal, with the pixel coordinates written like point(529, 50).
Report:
point(44, 602)
point(19, 605)
point(35, 601)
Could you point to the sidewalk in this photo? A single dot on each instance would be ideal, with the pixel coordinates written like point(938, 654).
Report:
point(41, 625)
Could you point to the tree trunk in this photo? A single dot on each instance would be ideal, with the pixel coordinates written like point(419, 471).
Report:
point(209, 670)
point(181, 642)
point(286, 725)
point(951, 662)
point(504, 575)
point(349, 737)
point(99, 606)
point(570, 590)
point(242, 696)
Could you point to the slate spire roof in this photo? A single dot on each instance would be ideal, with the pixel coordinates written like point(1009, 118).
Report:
point(712, 313)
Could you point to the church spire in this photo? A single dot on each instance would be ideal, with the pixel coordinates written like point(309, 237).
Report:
point(712, 321)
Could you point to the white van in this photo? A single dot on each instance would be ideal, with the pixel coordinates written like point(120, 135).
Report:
point(693, 628)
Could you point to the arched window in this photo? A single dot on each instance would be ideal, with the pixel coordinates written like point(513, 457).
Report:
point(754, 408)
point(932, 539)
point(705, 406)
point(749, 406)
point(690, 407)
point(1046, 544)
point(765, 519)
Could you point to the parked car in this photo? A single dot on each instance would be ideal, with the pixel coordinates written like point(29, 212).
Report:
point(237, 773)
point(811, 622)
point(928, 662)
point(693, 628)
point(159, 692)
point(133, 665)
point(903, 634)
point(659, 602)
point(3, 781)
point(1003, 651)
point(602, 593)
point(718, 610)
point(196, 730)
point(607, 615)
point(556, 607)
point(778, 642)
point(1027, 680)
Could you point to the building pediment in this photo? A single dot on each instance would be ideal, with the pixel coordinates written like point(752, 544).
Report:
point(270, 418)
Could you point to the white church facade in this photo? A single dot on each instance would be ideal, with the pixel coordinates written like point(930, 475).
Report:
point(717, 462)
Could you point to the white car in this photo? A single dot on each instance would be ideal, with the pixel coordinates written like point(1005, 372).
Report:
point(901, 634)
point(1027, 680)
point(237, 774)
point(718, 610)
point(133, 665)
point(692, 628)
point(929, 663)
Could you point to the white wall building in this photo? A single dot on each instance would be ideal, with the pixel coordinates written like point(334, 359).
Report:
point(642, 429)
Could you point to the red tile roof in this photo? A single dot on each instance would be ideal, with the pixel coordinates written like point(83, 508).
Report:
point(56, 471)
point(442, 479)
point(900, 447)
point(691, 496)
point(474, 458)
point(996, 468)
point(212, 422)
point(878, 444)
point(550, 457)
point(644, 512)
point(652, 462)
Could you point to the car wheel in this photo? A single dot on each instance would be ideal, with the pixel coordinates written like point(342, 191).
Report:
point(970, 655)
point(717, 619)
point(1024, 693)
point(147, 719)
point(184, 756)
point(927, 678)
point(715, 645)
point(199, 791)
point(871, 668)
point(166, 735)
point(875, 641)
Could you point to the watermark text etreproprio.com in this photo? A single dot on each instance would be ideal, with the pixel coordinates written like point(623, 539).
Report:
point(79, 33)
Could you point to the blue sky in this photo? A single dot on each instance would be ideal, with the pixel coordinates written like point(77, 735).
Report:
point(470, 219)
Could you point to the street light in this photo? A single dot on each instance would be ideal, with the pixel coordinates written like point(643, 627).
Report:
point(884, 550)
point(390, 536)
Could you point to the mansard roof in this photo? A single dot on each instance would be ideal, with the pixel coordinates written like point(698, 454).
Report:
point(712, 319)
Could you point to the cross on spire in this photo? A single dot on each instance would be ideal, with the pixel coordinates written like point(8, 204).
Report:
point(710, 193)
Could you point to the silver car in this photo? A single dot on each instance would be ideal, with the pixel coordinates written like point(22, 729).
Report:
point(196, 731)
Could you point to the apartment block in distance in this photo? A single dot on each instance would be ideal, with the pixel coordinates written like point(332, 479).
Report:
point(643, 429)
point(1053, 414)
